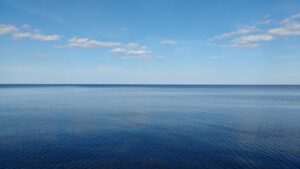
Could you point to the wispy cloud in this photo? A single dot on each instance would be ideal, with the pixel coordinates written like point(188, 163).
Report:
point(251, 38)
point(131, 52)
point(241, 31)
point(169, 42)
point(132, 45)
point(119, 50)
point(132, 49)
point(87, 43)
point(291, 19)
point(35, 36)
point(26, 26)
point(288, 29)
point(265, 20)
point(250, 41)
point(138, 52)
point(213, 57)
point(7, 29)
point(46, 15)
point(25, 32)
point(124, 50)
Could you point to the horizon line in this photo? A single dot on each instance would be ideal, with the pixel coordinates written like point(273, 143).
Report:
point(154, 84)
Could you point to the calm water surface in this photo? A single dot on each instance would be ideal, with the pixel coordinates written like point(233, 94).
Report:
point(157, 127)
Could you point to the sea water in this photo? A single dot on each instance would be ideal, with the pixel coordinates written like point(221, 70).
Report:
point(149, 126)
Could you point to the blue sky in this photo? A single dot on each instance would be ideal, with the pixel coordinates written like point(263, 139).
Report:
point(157, 41)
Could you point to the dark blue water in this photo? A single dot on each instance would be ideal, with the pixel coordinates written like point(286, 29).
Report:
point(157, 127)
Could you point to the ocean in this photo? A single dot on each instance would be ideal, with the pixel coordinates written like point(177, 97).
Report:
point(149, 126)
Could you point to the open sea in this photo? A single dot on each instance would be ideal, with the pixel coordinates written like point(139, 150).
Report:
point(149, 127)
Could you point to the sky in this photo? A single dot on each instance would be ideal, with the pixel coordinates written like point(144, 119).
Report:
point(150, 42)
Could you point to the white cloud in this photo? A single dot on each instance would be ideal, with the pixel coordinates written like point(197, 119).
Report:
point(132, 49)
point(130, 52)
point(287, 30)
point(119, 50)
point(139, 52)
point(21, 35)
point(264, 21)
point(132, 45)
point(42, 37)
point(124, 50)
point(29, 34)
point(291, 19)
point(245, 38)
point(169, 42)
point(35, 36)
point(251, 41)
point(86, 43)
point(6, 29)
point(241, 31)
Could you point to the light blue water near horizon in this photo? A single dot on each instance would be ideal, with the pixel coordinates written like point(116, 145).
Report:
point(149, 126)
